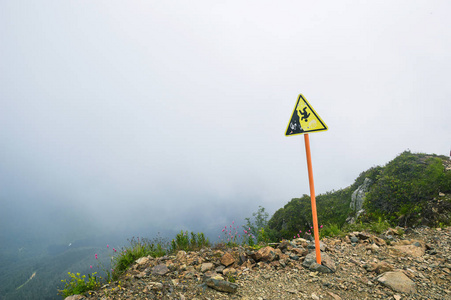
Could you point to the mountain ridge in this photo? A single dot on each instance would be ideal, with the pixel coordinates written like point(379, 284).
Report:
point(412, 189)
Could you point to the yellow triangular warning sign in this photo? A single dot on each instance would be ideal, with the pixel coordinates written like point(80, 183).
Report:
point(304, 119)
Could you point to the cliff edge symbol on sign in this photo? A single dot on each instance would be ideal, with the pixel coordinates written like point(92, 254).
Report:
point(304, 119)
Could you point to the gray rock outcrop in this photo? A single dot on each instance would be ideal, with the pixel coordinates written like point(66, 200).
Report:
point(357, 199)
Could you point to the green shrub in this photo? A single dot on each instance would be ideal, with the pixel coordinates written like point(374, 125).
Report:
point(405, 186)
point(374, 226)
point(79, 285)
point(257, 224)
point(330, 231)
point(357, 226)
point(378, 227)
point(138, 248)
point(182, 241)
point(332, 208)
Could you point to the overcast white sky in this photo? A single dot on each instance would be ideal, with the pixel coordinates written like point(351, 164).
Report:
point(173, 113)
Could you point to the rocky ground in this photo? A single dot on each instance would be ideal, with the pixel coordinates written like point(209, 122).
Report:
point(413, 265)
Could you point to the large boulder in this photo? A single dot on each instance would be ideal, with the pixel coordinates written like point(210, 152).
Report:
point(265, 254)
point(409, 247)
point(326, 261)
point(206, 267)
point(398, 282)
point(160, 269)
point(227, 259)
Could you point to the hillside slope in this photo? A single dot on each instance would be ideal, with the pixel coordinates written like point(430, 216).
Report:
point(411, 190)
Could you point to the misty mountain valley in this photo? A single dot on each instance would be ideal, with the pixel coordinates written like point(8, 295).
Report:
point(412, 192)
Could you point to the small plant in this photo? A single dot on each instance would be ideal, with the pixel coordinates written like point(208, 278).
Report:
point(379, 227)
point(330, 230)
point(358, 226)
point(263, 236)
point(250, 240)
point(440, 225)
point(257, 223)
point(182, 241)
point(231, 278)
point(202, 241)
point(78, 284)
point(138, 248)
point(107, 271)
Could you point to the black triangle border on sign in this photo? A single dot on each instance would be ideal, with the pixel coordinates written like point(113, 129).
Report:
point(314, 112)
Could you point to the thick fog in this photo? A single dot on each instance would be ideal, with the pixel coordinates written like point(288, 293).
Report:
point(146, 116)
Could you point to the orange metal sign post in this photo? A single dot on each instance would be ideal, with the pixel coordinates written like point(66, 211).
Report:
point(304, 120)
point(312, 197)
